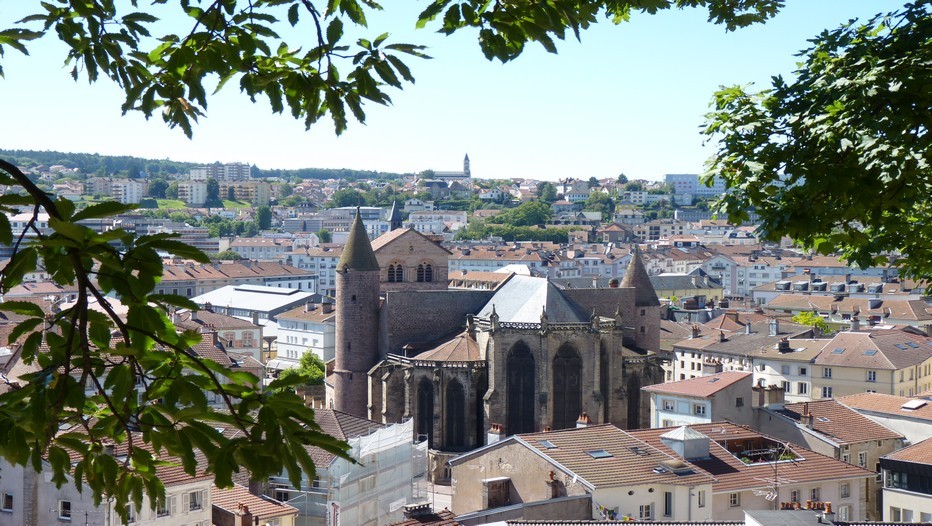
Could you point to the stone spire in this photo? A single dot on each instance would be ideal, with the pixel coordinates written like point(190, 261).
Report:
point(466, 166)
point(636, 276)
point(394, 218)
point(357, 254)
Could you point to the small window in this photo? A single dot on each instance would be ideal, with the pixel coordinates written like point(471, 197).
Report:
point(646, 512)
point(862, 459)
point(667, 503)
point(64, 510)
point(739, 402)
point(643, 312)
point(701, 498)
point(803, 371)
point(7, 502)
point(871, 376)
point(784, 369)
point(734, 500)
point(794, 495)
point(826, 392)
point(699, 409)
point(816, 494)
point(826, 372)
point(599, 453)
point(845, 490)
point(802, 388)
point(130, 514)
point(668, 405)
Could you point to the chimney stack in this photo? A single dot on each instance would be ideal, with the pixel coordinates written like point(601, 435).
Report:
point(496, 432)
point(774, 326)
point(583, 420)
point(855, 323)
point(694, 332)
point(327, 307)
point(245, 516)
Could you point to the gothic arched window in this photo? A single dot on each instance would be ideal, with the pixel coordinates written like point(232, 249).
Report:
point(425, 411)
point(425, 273)
point(567, 387)
point(520, 373)
point(455, 415)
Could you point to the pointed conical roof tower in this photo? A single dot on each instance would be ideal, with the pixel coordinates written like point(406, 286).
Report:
point(357, 322)
point(636, 277)
point(357, 253)
point(394, 218)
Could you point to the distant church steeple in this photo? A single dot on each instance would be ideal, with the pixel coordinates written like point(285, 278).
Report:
point(394, 218)
point(466, 166)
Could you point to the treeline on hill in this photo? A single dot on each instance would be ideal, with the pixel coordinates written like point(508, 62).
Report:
point(326, 173)
point(95, 164)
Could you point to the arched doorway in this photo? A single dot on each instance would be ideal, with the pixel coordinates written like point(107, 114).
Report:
point(567, 387)
point(455, 416)
point(520, 373)
point(425, 410)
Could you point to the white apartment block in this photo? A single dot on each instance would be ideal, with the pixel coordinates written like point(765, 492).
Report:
point(193, 193)
point(128, 191)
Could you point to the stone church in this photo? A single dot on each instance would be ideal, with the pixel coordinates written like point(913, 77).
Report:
point(470, 365)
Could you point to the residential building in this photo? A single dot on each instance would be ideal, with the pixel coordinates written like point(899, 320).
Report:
point(754, 471)
point(691, 184)
point(830, 428)
point(192, 193)
point(236, 506)
point(252, 301)
point(221, 172)
point(128, 191)
point(891, 361)
point(624, 476)
point(720, 396)
point(190, 279)
point(907, 484)
point(236, 334)
point(308, 328)
point(321, 260)
point(254, 193)
point(846, 311)
point(908, 415)
point(261, 248)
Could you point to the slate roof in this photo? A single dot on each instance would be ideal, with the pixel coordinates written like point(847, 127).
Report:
point(887, 404)
point(877, 349)
point(522, 299)
point(357, 253)
point(636, 276)
point(700, 387)
point(839, 423)
point(731, 474)
point(229, 499)
point(920, 453)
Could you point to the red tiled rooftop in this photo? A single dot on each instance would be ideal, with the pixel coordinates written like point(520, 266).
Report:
point(701, 387)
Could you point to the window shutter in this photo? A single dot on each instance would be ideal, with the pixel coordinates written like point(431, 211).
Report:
point(173, 505)
point(204, 499)
point(185, 505)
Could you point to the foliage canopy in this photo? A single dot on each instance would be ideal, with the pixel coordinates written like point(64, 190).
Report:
point(839, 158)
point(165, 70)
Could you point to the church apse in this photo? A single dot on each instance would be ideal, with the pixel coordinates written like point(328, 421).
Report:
point(519, 392)
point(567, 387)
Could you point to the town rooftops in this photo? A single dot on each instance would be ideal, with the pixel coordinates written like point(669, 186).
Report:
point(728, 441)
point(700, 387)
point(253, 297)
point(357, 253)
point(236, 499)
point(885, 404)
point(602, 456)
point(877, 349)
point(840, 424)
point(461, 348)
point(919, 453)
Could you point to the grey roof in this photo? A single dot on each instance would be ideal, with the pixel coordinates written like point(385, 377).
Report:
point(357, 253)
point(253, 297)
point(522, 299)
point(636, 276)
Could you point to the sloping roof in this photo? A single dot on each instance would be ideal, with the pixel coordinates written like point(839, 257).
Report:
point(920, 453)
point(631, 460)
point(231, 500)
point(461, 348)
point(887, 405)
point(839, 423)
point(731, 474)
point(877, 349)
point(341, 426)
point(524, 298)
point(386, 238)
point(443, 517)
point(702, 386)
point(357, 253)
point(636, 276)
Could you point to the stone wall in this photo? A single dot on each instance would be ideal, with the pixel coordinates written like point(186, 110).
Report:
point(425, 316)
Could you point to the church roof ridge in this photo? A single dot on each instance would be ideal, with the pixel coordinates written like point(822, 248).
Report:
point(357, 253)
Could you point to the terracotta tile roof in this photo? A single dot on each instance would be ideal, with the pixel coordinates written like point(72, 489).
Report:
point(839, 423)
point(443, 517)
point(887, 405)
point(231, 499)
point(702, 386)
point(215, 320)
point(877, 349)
point(631, 461)
point(801, 301)
point(740, 343)
point(732, 474)
point(461, 348)
point(920, 453)
point(302, 314)
point(342, 426)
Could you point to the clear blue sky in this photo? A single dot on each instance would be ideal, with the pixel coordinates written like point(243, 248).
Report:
point(627, 99)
